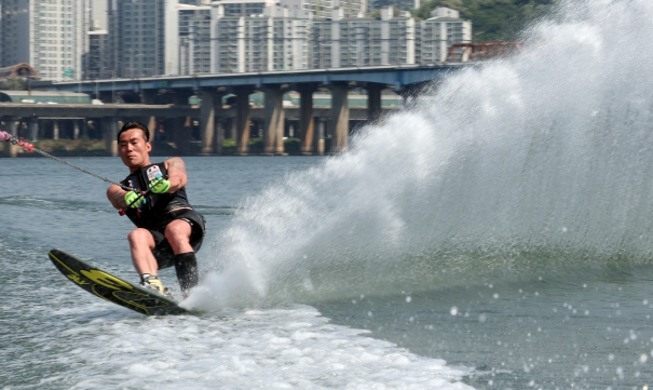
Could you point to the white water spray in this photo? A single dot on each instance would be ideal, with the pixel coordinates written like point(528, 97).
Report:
point(545, 155)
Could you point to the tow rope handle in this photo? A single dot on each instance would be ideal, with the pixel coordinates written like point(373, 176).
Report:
point(142, 194)
point(123, 211)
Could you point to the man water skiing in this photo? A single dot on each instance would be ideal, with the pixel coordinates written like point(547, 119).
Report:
point(168, 230)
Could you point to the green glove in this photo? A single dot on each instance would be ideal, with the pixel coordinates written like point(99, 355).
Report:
point(134, 199)
point(159, 185)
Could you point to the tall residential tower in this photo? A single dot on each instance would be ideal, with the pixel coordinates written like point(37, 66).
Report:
point(50, 35)
point(143, 37)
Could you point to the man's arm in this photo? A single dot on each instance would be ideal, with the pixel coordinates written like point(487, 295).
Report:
point(116, 196)
point(176, 173)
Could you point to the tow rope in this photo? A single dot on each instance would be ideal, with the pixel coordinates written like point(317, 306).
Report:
point(6, 137)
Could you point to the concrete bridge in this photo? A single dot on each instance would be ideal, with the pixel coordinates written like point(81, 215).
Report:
point(30, 120)
point(167, 98)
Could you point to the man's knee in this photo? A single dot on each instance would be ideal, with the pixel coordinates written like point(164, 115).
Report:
point(178, 231)
point(140, 236)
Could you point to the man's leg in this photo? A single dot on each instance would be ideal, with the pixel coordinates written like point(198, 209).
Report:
point(141, 244)
point(186, 267)
point(178, 235)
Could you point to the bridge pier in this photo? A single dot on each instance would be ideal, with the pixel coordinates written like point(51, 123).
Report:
point(110, 131)
point(33, 126)
point(242, 119)
point(374, 101)
point(77, 130)
point(11, 150)
point(151, 125)
point(339, 118)
point(55, 130)
point(307, 120)
point(274, 119)
point(207, 120)
point(320, 146)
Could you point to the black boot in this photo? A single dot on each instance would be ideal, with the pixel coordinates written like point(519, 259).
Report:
point(186, 267)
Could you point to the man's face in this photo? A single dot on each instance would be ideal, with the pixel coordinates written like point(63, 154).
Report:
point(134, 149)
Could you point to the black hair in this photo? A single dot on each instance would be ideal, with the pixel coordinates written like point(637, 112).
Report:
point(134, 125)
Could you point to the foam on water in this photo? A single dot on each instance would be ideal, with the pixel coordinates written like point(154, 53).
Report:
point(57, 336)
point(281, 348)
point(546, 152)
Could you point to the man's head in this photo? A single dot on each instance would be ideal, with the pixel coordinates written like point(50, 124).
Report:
point(135, 125)
point(134, 145)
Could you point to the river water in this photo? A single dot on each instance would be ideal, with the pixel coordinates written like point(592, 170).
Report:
point(496, 234)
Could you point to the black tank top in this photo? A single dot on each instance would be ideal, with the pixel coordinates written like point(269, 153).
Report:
point(159, 209)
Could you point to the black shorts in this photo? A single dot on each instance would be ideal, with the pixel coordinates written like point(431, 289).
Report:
point(162, 249)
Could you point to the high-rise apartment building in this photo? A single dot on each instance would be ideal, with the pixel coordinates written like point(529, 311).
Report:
point(194, 39)
point(405, 5)
point(95, 60)
point(242, 7)
point(320, 9)
point(270, 42)
point(356, 42)
point(439, 32)
point(143, 37)
point(50, 35)
point(14, 23)
point(323, 9)
point(260, 43)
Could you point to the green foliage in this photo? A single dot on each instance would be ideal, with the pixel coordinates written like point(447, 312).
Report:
point(492, 20)
point(292, 146)
point(68, 147)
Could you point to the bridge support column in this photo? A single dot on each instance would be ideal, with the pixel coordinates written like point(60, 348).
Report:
point(242, 120)
point(218, 140)
point(83, 128)
point(76, 130)
point(211, 106)
point(33, 126)
point(55, 130)
point(307, 120)
point(11, 150)
point(339, 118)
point(319, 139)
point(151, 125)
point(374, 102)
point(110, 130)
point(274, 121)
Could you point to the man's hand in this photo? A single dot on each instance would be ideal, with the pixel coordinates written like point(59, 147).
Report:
point(159, 185)
point(134, 199)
